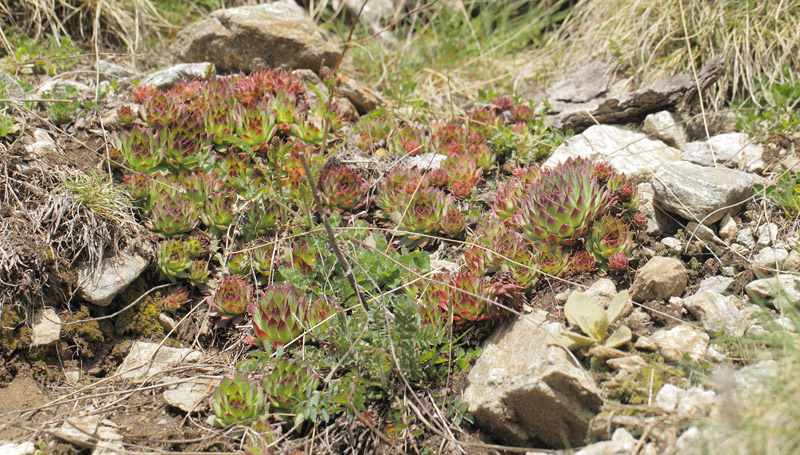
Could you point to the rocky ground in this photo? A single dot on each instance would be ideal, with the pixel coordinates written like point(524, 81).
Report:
point(93, 360)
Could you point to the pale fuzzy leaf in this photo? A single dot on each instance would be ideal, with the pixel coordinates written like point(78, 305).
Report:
point(577, 341)
point(617, 306)
point(621, 336)
point(599, 327)
point(564, 341)
point(582, 311)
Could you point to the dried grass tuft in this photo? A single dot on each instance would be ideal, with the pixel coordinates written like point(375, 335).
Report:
point(645, 40)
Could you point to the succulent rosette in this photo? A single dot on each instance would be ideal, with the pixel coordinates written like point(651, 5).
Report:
point(453, 222)
point(581, 262)
point(230, 298)
point(560, 207)
point(467, 300)
point(255, 124)
point(493, 242)
point(175, 298)
point(422, 220)
point(171, 215)
point(140, 150)
point(609, 235)
point(218, 212)
point(618, 261)
point(508, 198)
point(198, 272)
point(239, 263)
point(281, 315)
point(432, 295)
point(238, 401)
point(173, 260)
point(289, 384)
point(265, 262)
point(393, 194)
point(523, 267)
point(506, 296)
point(343, 188)
point(552, 260)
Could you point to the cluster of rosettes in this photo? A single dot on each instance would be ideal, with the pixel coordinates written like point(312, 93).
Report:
point(214, 169)
point(585, 212)
point(240, 402)
point(466, 297)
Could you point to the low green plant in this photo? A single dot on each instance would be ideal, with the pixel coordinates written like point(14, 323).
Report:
point(583, 312)
point(238, 401)
point(785, 192)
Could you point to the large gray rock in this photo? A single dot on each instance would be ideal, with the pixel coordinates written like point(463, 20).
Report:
point(628, 150)
point(660, 279)
point(733, 150)
point(100, 285)
point(251, 38)
point(146, 359)
point(699, 193)
point(584, 107)
point(523, 390)
point(716, 312)
point(166, 78)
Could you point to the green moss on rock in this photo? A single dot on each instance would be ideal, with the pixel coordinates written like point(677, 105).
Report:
point(14, 333)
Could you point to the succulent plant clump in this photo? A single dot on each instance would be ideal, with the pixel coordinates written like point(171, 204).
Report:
point(238, 401)
point(343, 188)
point(609, 236)
point(290, 383)
point(561, 206)
point(281, 315)
point(230, 298)
point(422, 220)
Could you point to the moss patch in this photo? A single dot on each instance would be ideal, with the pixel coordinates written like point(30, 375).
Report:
point(84, 335)
point(14, 333)
point(141, 320)
point(635, 389)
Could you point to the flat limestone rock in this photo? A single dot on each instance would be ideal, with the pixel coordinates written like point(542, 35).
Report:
point(190, 396)
point(699, 193)
point(146, 359)
point(100, 285)
point(628, 150)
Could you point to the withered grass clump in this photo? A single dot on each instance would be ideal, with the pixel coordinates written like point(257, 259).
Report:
point(46, 230)
point(643, 41)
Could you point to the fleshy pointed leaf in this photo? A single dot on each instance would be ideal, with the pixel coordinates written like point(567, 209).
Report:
point(621, 336)
point(617, 306)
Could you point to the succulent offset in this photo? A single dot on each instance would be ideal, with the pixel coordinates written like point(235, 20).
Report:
point(238, 401)
point(230, 298)
point(421, 220)
point(343, 188)
point(290, 383)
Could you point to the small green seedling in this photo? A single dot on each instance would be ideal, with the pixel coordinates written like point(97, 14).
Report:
point(582, 311)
